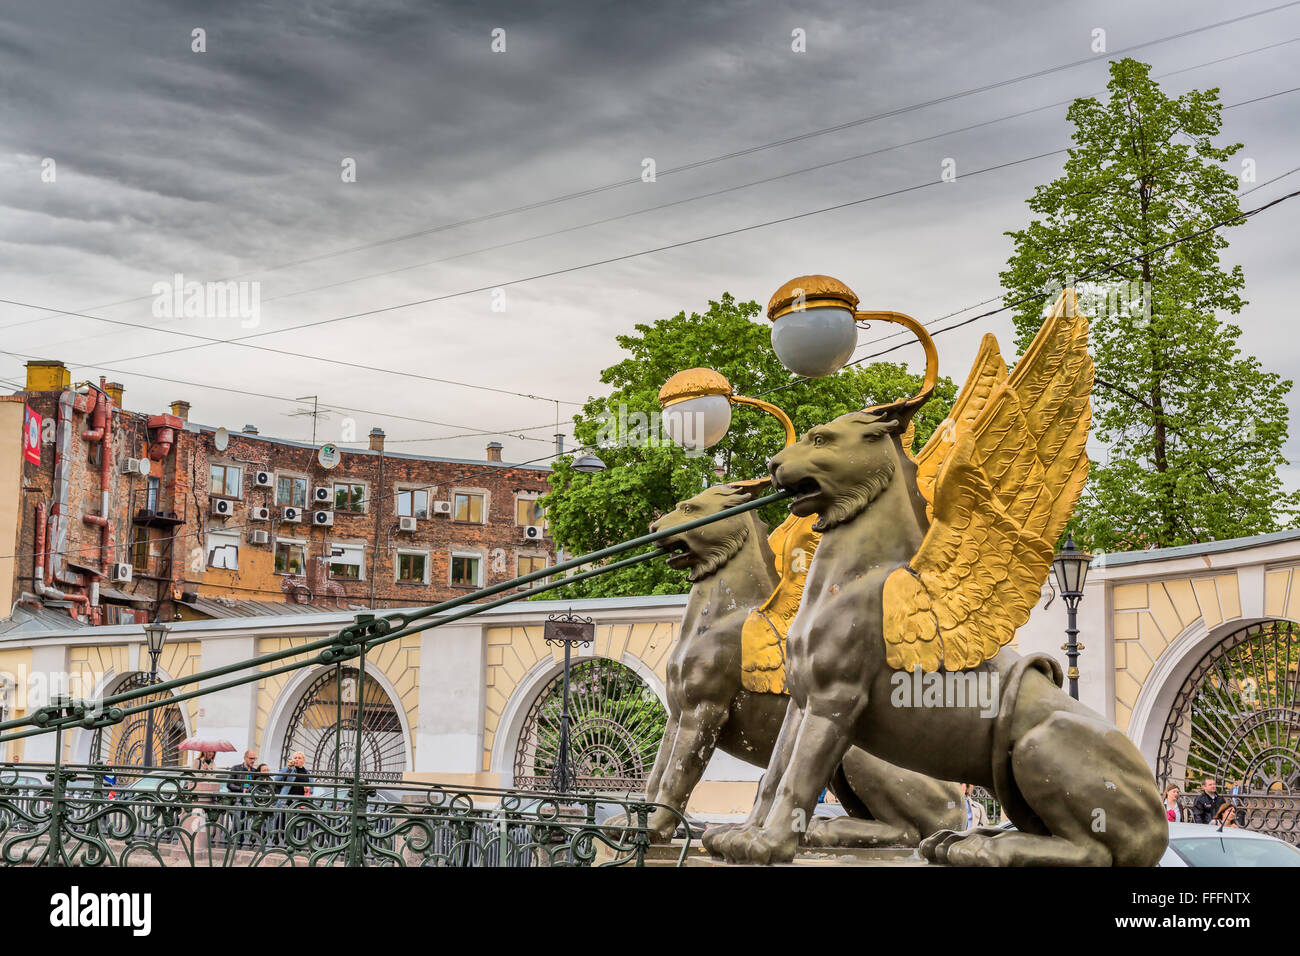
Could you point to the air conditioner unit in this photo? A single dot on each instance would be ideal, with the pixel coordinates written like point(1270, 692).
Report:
point(259, 514)
point(122, 572)
point(263, 479)
point(322, 495)
point(223, 507)
point(406, 524)
point(534, 532)
point(136, 466)
point(323, 518)
point(258, 537)
point(441, 507)
point(291, 514)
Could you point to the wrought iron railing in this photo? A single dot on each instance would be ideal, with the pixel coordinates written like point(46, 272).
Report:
point(102, 815)
point(1274, 813)
point(127, 816)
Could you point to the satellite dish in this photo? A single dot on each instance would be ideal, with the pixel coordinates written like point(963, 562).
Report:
point(221, 439)
point(328, 456)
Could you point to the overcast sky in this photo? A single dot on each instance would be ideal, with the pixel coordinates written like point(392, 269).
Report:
point(229, 163)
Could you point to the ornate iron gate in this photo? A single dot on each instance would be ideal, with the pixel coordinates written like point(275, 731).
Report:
point(323, 726)
point(123, 745)
point(617, 723)
point(1237, 718)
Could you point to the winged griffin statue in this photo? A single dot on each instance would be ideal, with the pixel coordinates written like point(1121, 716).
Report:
point(726, 679)
point(926, 567)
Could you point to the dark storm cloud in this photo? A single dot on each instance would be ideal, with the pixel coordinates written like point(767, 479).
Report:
point(228, 162)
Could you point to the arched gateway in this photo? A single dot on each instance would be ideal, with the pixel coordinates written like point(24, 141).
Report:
point(323, 725)
point(1236, 718)
point(616, 724)
point(125, 744)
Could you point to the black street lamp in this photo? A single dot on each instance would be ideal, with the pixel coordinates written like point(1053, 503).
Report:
point(1071, 567)
point(155, 636)
point(567, 630)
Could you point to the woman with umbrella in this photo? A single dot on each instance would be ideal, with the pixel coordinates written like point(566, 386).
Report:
point(207, 749)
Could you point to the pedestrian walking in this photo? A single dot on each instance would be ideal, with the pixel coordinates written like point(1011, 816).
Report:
point(240, 781)
point(976, 815)
point(1207, 803)
point(294, 782)
point(1171, 802)
point(1227, 817)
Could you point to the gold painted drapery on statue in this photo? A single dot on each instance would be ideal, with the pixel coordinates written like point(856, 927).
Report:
point(762, 641)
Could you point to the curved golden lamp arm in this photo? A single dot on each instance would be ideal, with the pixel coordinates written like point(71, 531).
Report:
point(772, 410)
point(927, 343)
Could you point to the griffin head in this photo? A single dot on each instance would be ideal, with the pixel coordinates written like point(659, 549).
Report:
point(707, 548)
point(837, 469)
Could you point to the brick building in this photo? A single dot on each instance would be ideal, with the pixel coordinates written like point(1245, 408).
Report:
point(133, 517)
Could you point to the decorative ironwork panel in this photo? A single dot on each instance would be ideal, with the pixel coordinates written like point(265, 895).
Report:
point(123, 744)
point(617, 723)
point(1236, 718)
point(84, 816)
point(990, 803)
point(324, 727)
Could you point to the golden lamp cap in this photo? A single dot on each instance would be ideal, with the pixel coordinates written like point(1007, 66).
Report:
point(693, 383)
point(812, 292)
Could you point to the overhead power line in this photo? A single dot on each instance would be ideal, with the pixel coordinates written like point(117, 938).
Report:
point(746, 151)
point(759, 182)
point(1095, 272)
point(284, 398)
point(244, 341)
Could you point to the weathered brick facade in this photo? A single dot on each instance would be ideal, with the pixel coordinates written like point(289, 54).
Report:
point(194, 554)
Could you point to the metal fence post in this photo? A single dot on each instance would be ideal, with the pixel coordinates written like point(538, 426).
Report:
point(54, 855)
point(357, 828)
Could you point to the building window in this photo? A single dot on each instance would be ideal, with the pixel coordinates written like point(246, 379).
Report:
point(347, 561)
point(467, 570)
point(152, 495)
point(527, 564)
point(223, 550)
point(349, 497)
point(225, 480)
point(413, 503)
point(529, 511)
point(468, 507)
point(290, 557)
point(291, 491)
point(140, 550)
point(413, 567)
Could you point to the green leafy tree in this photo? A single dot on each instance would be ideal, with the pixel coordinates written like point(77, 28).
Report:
point(1193, 428)
point(648, 475)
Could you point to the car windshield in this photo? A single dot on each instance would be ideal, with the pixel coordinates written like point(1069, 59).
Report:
point(1227, 851)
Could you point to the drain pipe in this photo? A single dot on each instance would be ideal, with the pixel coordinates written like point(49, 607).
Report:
point(41, 575)
point(40, 582)
point(101, 431)
point(57, 530)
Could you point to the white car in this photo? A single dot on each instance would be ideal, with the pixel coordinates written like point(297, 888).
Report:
point(1204, 844)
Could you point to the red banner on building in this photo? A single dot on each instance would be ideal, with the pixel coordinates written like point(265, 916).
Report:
point(31, 436)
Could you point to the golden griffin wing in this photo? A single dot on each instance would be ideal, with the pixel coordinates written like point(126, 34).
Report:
point(988, 373)
point(1002, 492)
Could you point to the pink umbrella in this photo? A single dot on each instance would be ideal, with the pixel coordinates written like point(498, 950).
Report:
point(207, 745)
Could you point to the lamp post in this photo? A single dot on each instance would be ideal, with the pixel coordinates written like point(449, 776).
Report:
point(815, 321)
point(588, 464)
point(566, 630)
point(1071, 568)
point(697, 408)
point(155, 636)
